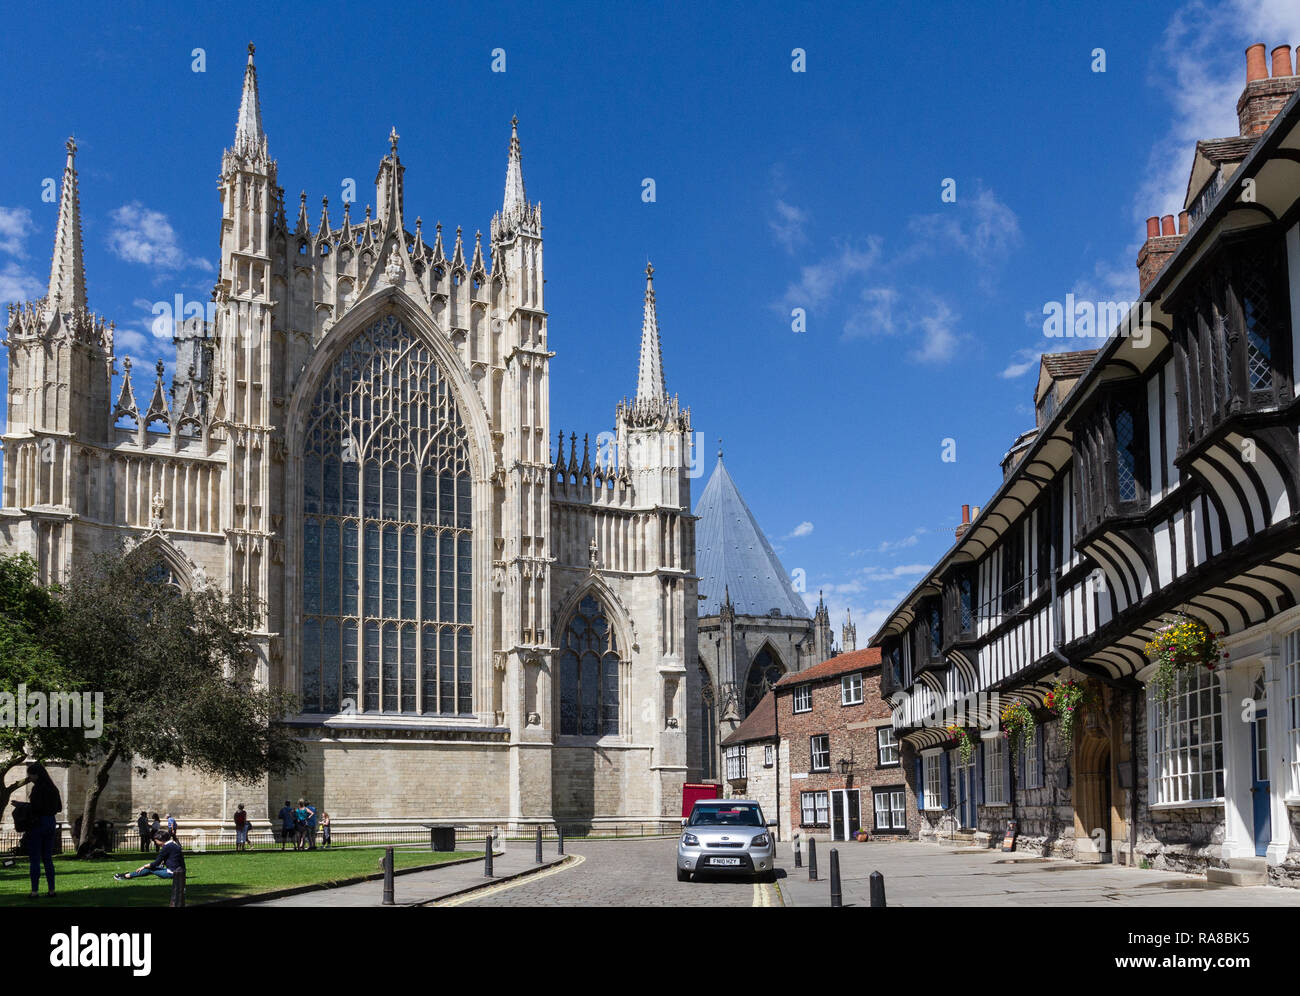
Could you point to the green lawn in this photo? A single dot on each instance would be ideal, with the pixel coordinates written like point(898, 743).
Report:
point(208, 876)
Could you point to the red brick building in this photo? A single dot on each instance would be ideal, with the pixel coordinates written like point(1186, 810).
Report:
point(842, 768)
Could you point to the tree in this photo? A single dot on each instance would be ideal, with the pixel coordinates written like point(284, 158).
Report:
point(29, 662)
point(177, 669)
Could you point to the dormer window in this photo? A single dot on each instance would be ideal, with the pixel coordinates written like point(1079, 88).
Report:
point(1110, 450)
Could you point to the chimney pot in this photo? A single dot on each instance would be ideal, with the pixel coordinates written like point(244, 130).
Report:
point(1282, 61)
point(1182, 222)
point(1256, 66)
point(1153, 227)
point(965, 514)
point(1167, 225)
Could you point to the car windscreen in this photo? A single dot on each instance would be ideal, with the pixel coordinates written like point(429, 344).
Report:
point(726, 816)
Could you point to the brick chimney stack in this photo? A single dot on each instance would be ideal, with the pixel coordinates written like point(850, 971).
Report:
point(1264, 96)
point(1161, 242)
point(965, 522)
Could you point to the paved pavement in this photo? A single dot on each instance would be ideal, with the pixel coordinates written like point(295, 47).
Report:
point(629, 873)
point(918, 874)
point(424, 887)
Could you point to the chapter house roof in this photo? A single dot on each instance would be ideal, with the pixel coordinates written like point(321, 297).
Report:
point(733, 556)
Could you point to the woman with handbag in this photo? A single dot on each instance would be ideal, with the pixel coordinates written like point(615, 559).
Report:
point(45, 803)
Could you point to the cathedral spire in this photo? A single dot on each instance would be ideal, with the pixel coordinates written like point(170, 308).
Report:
point(515, 199)
point(650, 372)
point(68, 270)
point(250, 140)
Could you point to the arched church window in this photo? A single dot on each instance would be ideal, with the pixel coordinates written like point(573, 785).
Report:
point(387, 588)
point(764, 672)
point(589, 680)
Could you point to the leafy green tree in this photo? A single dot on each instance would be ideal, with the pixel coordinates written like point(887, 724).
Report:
point(178, 673)
point(29, 620)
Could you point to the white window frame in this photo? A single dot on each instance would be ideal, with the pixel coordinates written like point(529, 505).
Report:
point(1177, 743)
point(769, 753)
point(1291, 709)
point(803, 698)
point(818, 806)
point(1033, 770)
point(932, 772)
point(734, 760)
point(995, 789)
point(851, 690)
point(887, 748)
point(813, 752)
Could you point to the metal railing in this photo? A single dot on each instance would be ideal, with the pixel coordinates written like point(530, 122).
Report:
point(125, 839)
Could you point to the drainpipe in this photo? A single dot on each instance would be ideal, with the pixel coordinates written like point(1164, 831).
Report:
point(776, 760)
point(1133, 777)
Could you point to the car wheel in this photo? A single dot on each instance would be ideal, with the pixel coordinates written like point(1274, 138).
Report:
point(683, 875)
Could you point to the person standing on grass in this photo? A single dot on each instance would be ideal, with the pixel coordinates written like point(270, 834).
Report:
point(170, 860)
point(155, 827)
point(171, 825)
point(300, 825)
point(311, 827)
point(241, 828)
point(45, 803)
point(325, 829)
point(286, 823)
point(143, 825)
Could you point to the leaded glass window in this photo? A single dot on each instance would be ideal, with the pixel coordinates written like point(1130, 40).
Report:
point(764, 672)
point(1126, 455)
point(1255, 313)
point(589, 673)
point(386, 584)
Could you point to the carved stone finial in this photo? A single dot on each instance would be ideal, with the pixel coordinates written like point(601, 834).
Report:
point(394, 273)
point(392, 139)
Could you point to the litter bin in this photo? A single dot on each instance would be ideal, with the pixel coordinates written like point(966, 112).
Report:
point(441, 838)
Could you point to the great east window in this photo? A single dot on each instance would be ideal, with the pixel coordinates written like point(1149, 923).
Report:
point(387, 592)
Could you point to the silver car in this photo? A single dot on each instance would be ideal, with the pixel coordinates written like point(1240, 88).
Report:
point(727, 836)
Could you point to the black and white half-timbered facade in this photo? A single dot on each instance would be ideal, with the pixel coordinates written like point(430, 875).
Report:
point(1163, 478)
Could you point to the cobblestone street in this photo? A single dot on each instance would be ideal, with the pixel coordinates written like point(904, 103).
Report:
point(629, 873)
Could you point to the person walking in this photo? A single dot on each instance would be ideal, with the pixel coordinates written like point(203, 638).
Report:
point(170, 860)
point(142, 824)
point(241, 828)
point(45, 803)
point(155, 826)
point(171, 826)
point(325, 829)
point(286, 823)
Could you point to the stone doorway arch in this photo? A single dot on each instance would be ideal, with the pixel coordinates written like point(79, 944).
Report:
point(1094, 796)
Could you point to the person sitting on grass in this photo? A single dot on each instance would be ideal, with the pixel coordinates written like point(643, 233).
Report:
point(170, 860)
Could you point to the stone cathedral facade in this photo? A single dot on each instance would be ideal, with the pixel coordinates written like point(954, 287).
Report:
point(482, 620)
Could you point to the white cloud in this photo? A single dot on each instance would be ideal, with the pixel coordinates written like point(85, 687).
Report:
point(788, 225)
point(15, 225)
point(141, 235)
point(922, 317)
point(978, 225)
point(18, 285)
point(803, 529)
point(875, 575)
point(939, 337)
point(818, 281)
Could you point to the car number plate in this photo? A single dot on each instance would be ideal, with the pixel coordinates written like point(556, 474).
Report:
point(725, 861)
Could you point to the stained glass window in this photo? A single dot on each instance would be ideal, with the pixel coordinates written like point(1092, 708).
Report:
point(387, 583)
point(589, 673)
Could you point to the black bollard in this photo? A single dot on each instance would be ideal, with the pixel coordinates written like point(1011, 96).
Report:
point(559, 830)
point(178, 889)
point(812, 859)
point(837, 897)
point(877, 890)
point(539, 843)
point(388, 877)
point(798, 854)
point(487, 857)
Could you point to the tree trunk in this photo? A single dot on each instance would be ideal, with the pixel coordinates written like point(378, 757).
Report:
point(7, 790)
point(90, 805)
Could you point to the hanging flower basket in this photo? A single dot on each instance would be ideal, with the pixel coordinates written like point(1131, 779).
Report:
point(965, 745)
point(1018, 725)
point(1181, 644)
point(1068, 699)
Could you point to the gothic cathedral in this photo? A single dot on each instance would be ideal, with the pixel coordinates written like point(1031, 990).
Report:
point(478, 625)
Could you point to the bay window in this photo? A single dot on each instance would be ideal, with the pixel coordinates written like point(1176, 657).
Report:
point(1185, 740)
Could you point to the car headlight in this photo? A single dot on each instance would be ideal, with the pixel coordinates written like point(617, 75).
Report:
point(760, 840)
point(690, 840)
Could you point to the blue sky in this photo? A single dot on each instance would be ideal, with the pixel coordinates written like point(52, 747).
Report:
point(775, 190)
